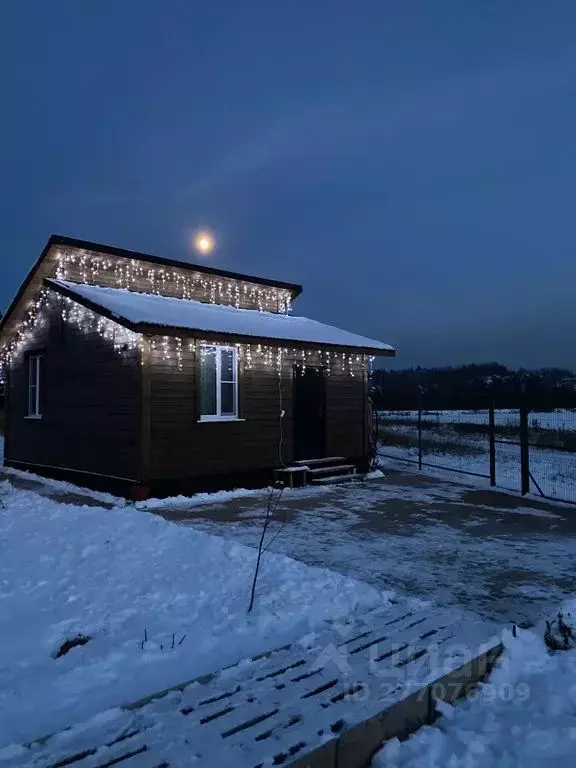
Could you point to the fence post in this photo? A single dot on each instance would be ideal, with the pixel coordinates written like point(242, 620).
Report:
point(492, 439)
point(524, 447)
point(419, 427)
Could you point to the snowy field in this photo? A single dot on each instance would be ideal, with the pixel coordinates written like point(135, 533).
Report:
point(559, 418)
point(160, 604)
point(450, 441)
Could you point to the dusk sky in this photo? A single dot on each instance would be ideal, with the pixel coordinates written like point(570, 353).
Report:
point(413, 164)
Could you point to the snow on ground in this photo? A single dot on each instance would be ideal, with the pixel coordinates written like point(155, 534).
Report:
point(119, 576)
point(49, 485)
point(200, 498)
point(445, 542)
point(395, 460)
point(221, 497)
point(524, 716)
point(559, 418)
point(554, 471)
point(447, 447)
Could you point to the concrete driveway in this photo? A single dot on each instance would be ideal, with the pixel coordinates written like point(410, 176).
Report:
point(507, 558)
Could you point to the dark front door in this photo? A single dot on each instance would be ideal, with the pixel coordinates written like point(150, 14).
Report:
point(309, 413)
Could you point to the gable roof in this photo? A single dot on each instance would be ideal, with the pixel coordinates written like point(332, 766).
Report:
point(63, 241)
point(150, 313)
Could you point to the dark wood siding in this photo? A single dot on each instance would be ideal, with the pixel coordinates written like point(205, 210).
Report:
point(90, 404)
point(103, 414)
point(181, 446)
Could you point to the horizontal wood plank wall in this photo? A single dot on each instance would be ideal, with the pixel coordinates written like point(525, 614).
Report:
point(169, 284)
point(182, 446)
point(345, 415)
point(172, 413)
point(90, 404)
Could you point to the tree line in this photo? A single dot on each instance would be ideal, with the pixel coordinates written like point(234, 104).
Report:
point(474, 387)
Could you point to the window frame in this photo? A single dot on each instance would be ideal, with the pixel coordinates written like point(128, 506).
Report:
point(34, 386)
point(219, 416)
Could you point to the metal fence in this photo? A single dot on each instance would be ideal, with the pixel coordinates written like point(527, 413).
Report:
point(514, 448)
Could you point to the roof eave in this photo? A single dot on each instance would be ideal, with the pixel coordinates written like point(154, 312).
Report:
point(150, 329)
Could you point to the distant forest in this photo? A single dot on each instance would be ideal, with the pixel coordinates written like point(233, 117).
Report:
point(474, 386)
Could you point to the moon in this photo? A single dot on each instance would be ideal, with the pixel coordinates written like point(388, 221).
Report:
point(204, 242)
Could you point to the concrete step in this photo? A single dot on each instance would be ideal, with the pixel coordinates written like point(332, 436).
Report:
point(319, 462)
point(338, 469)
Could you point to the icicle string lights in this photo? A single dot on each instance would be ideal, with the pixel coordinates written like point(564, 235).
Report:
point(87, 321)
point(34, 320)
point(170, 348)
point(273, 357)
point(45, 306)
point(137, 275)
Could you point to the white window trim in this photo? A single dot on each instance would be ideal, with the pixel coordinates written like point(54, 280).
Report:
point(35, 414)
point(219, 416)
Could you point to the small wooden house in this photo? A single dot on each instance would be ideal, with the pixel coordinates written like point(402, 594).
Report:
point(145, 374)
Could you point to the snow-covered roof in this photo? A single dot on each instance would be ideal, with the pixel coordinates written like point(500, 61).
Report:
point(167, 312)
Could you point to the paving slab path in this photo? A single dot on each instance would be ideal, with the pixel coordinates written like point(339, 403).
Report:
point(329, 699)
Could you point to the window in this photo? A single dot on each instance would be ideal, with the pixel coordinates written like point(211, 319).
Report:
point(34, 367)
point(218, 383)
